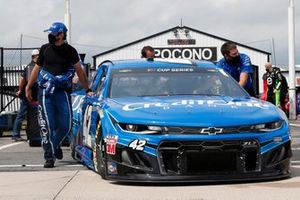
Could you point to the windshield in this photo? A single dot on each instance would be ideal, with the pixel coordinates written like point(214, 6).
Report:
point(172, 81)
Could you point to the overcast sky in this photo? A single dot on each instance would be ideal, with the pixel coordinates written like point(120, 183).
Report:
point(99, 25)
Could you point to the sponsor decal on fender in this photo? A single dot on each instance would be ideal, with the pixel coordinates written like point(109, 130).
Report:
point(111, 143)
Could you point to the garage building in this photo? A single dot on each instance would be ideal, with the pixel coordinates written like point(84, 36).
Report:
point(189, 43)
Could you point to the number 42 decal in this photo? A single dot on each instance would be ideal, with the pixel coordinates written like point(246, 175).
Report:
point(138, 144)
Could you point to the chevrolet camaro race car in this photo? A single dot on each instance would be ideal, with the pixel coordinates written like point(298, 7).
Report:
point(177, 121)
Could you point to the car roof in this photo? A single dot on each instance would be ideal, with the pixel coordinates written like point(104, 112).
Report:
point(158, 62)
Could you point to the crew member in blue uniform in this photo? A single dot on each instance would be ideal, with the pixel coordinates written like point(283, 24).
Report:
point(238, 65)
point(54, 70)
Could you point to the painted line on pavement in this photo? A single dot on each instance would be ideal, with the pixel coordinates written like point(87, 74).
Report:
point(10, 145)
point(295, 161)
point(296, 149)
point(17, 166)
point(297, 125)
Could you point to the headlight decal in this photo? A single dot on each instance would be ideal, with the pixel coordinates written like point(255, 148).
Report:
point(271, 126)
point(152, 129)
point(141, 129)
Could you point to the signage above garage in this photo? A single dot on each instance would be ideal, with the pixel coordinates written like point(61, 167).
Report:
point(198, 53)
point(181, 41)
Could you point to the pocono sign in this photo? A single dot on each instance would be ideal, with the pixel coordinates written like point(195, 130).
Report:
point(197, 53)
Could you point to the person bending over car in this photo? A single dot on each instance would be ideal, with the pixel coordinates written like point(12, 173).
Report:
point(238, 65)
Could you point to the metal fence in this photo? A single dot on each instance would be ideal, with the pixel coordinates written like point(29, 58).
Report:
point(12, 63)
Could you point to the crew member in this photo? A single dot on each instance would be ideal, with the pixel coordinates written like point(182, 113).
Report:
point(55, 68)
point(238, 65)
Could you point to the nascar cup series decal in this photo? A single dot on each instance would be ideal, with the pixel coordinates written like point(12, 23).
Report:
point(191, 103)
point(174, 70)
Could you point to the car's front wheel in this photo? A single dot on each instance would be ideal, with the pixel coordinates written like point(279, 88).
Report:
point(99, 154)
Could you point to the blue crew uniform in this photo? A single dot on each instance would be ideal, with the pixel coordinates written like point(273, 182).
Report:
point(55, 81)
point(235, 69)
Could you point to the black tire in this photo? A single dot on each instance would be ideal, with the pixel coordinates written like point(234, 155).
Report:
point(32, 127)
point(35, 143)
point(1, 133)
point(99, 155)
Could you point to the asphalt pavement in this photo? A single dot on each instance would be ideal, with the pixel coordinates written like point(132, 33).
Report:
point(22, 176)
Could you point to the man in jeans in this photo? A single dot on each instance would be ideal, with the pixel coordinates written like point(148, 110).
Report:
point(16, 136)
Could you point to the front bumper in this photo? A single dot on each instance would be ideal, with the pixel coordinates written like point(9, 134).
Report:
point(200, 161)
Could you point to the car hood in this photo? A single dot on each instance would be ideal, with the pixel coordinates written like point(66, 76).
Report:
point(191, 110)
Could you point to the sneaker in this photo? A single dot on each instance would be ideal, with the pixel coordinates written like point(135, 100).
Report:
point(59, 154)
point(49, 164)
point(18, 139)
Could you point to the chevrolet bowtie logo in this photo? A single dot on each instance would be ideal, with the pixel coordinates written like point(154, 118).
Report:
point(211, 130)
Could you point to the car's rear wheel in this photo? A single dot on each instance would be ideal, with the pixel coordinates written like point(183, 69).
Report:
point(99, 154)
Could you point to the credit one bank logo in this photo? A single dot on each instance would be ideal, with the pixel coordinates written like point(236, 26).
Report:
point(197, 53)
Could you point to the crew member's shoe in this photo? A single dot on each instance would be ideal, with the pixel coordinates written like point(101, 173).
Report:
point(49, 164)
point(59, 154)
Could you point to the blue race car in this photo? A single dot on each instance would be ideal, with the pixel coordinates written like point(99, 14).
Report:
point(177, 121)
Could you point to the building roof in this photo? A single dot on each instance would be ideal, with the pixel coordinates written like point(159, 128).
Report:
point(175, 28)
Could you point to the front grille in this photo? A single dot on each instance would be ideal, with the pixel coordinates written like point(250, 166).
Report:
point(208, 157)
point(222, 161)
point(203, 130)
